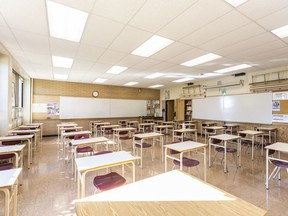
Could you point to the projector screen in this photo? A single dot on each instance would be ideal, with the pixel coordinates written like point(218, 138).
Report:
point(250, 108)
point(77, 107)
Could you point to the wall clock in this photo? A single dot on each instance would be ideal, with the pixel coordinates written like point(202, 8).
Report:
point(95, 93)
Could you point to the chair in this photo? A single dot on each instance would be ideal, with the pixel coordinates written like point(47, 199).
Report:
point(108, 181)
point(218, 149)
point(85, 149)
point(123, 136)
point(278, 165)
point(188, 162)
point(6, 166)
point(140, 145)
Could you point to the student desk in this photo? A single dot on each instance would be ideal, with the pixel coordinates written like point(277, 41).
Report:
point(17, 150)
point(152, 136)
point(64, 125)
point(207, 124)
point(170, 193)
point(27, 138)
point(159, 128)
point(34, 126)
point(170, 123)
point(253, 134)
point(271, 132)
point(279, 147)
point(215, 130)
point(89, 141)
point(39, 124)
point(64, 135)
point(96, 162)
point(116, 134)
point(183, 147)
point(96, 126)
point(231, 127)
point(225, 138)
point(142, 126)
point(133, 124)
point(91, 124)
point(34, 132)
point(8, 184)
point(183, 132)
point(103, 128)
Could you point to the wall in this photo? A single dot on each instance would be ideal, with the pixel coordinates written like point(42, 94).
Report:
point(7, 64)
point(45, 91)
point(175, 92)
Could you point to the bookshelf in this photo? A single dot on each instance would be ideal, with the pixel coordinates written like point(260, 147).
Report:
point(188, 110)
point(153, 108)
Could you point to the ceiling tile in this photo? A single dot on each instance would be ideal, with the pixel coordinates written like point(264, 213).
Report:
point(111, 57)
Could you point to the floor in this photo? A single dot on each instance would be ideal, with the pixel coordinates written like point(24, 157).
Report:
point(49, 187)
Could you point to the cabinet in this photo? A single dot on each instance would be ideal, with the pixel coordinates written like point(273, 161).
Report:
point(153, 108)
point(188, 110)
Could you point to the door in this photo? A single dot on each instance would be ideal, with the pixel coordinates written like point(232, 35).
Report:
point(170, 110)
point(180, 110)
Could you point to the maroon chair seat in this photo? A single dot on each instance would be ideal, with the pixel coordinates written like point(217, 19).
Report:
point(6, 156)
point(6, 166)
point(84, 149)
point(108, 181)
point(12, 142)
point(228, 149)
point(280, 164)
point(102, 152)
point(144, 145)
point(187, 162)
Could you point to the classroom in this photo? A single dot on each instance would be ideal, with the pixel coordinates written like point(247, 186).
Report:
point(141, 107)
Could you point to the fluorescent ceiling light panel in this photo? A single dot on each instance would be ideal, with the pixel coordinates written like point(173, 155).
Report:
point(131, 83)
point(202, 59)
point(65, 22)
point(236, 3)
point(63, 62)
point(116, 69)
point(60, 76)
point(234, 68)
point(156, 86)
point(99, 80)
point(152, 45)
point(184, 79)
point(281, 32)
point(154, 75)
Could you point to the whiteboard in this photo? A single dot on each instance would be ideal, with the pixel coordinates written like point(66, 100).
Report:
point(250, 108)
point(79, 107)
point(128, 108)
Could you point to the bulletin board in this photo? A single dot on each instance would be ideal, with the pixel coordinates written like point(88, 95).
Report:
point(280, 107)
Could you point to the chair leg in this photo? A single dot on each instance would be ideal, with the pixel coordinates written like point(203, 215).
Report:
point(214, 159)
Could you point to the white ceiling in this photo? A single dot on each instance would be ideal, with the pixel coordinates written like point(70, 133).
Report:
point(116, 27)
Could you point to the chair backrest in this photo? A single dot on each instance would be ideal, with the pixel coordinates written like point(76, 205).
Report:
point(242, 135)
point(102, 152)
point(81, 136)
point(210, 130)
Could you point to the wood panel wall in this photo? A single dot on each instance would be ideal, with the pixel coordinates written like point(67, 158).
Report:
point(45, 91)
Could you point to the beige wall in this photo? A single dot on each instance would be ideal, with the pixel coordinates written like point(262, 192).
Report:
point(45, 91)
point(282, 129)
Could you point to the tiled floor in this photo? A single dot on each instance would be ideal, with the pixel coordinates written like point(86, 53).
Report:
point(49, 187)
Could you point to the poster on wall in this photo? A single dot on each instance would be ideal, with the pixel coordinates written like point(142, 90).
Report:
point(53, 108)
point(280, 118)
point(276, 106)
point(280, 96)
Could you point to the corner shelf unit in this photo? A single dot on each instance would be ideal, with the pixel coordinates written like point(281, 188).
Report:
point(188, 110)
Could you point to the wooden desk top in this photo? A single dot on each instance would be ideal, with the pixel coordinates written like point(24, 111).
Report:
point(65, 125)
point(29, 126)
point(11, 148)
point(225, 137)
point(278, 146)
point(24, 131)
point(185, 146)
point(250, 132)
point(156, 196)
point(9, 177)
point(148, 135)
point(103, 161)
point(76, 133)
point(124, 129)
point(266, 128)
point(88, 141)
point(231, 125)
